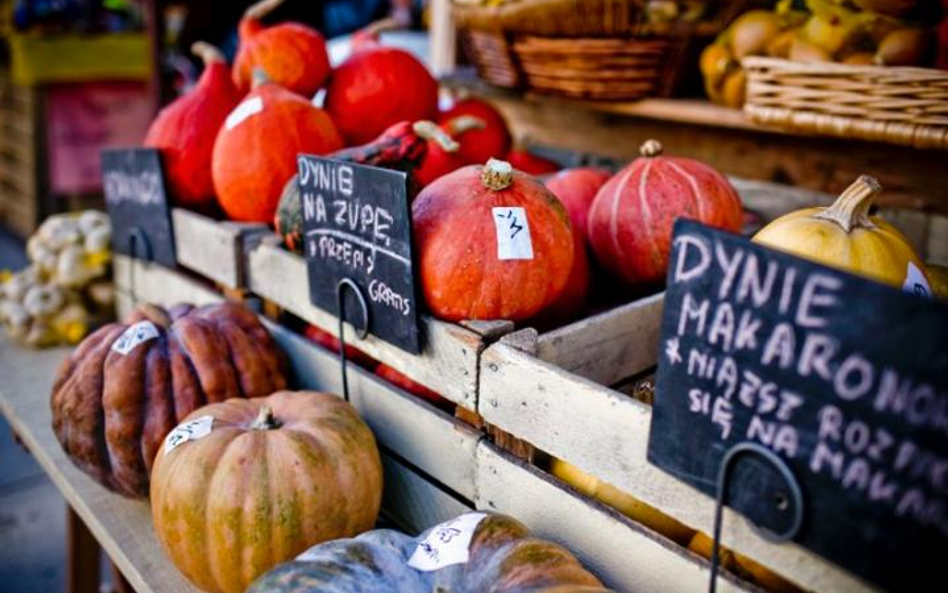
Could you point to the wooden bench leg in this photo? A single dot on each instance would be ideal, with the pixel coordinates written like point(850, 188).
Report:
point(119, 584)
point(82, 556)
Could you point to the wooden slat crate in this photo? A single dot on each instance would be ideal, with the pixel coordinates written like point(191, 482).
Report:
point(212, 248)
point(19, 204)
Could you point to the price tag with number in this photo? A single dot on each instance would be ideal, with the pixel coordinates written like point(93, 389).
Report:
point(446, 544)
point(188, 431)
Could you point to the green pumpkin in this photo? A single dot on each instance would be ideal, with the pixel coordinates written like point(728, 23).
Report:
point(501, 557)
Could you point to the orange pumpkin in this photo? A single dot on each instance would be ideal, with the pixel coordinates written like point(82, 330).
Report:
point(631, 219)
point(524, 160)
point(492, 243)
point(185, 130)
point(490, 141)
point(576, 189)
point(246, 484)
point(293, 54)
point(255, 151)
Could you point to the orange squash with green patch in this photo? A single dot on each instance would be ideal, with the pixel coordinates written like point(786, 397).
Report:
point(272, 477)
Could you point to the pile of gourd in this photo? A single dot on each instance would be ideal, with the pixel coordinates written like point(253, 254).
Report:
point(861, 32)
point(66, 288)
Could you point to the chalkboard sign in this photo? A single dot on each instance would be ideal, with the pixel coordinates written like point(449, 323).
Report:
point(358, 226)
point(135, 198)
point(846, 380)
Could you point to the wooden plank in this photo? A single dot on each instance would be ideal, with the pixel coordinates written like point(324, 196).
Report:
point(82, 556)
point(605, 433)
point(937, 249)
point(610, 346)
point(623, 554)
point(122, 526)
point(448, 364)
point(211, 248)
point(414, 503)
point(137, 280)
point(414, 430)
point(443, 47)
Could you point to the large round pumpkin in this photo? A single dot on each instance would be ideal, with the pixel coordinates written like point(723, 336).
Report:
point(185, 130)
point(631, 218)
point(246, 484)
point(844, 236)
point(492, 243)
point(576, 189)
point(128, 384)
point(293, 54)
point(480, 553)
point(490, 141)
point(256, 149)
point(377, 87)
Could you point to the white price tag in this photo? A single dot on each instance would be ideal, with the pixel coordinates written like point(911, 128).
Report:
point(133, 336)
point(243, 111)
point(446, 544)
point(513, 233)
point(915, 282)
point(188, 431)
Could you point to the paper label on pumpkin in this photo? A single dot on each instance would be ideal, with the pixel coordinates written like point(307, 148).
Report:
point(188, 431)
point(915, 282)
point(513, 233)
point(447, 543)
point(133, 336)
point(243, 111)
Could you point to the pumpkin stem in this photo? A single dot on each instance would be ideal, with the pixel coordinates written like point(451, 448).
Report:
point(428, 130)
point(497, 175)
point(260, 9)
point(851, 208)
point(260, 77)
point(207, 52)
point(465, 123)
point(264, 420)
point(651, 148)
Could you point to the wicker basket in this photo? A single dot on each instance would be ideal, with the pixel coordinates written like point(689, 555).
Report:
point(594, 49)
point(907, 106)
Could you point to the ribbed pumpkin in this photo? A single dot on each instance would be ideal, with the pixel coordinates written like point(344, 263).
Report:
point(402, 147)
point(502, 557)
point(459, 244)
point(631, 218)
point(128, 384)
point(292, 54)
point(377, 87)
point(491, 141)
point(844, 236)
point(256, 149)
point(272, 477)
point(185, 130)
point(576, 189)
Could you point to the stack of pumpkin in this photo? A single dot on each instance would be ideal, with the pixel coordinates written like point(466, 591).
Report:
point(189, 405)
point(232, 141)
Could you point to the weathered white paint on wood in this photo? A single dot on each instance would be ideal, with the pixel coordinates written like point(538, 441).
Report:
point(605, 433)
point(610, 346)
point(414, 503)
point(448, 364)
point(137, 281)
point(623, 554)
point(211, 248)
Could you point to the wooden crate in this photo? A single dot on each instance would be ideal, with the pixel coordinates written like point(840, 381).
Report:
point(212, 248)
point(19, 192)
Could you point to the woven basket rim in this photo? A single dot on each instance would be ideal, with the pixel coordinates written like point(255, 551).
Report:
point(759, 62)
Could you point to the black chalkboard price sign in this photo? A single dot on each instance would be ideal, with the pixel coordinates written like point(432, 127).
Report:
point(358, 226)
point(137, 204)
point(844, 379)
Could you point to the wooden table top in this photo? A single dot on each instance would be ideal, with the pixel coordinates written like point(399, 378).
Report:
point(122, 526)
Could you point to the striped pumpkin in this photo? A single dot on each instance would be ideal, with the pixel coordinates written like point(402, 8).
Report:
point(272, 477)
point(491, 554)
point(631, 218)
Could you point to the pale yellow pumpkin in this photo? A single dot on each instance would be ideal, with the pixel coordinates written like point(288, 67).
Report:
point(626, 504)
point(844, 236)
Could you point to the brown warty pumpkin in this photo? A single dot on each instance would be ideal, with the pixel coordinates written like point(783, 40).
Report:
point(128, 384)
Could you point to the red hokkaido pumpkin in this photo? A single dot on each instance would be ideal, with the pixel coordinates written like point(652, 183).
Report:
point(576, 189)
point(441, 159)
point(523, 160)
point(492, 141)
point(292, 54)
point(331, 343)
point(185, 130)
point(574, 297)
point(631, 219)
point(255, 151)
point(492, 243)
point(376, 88)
